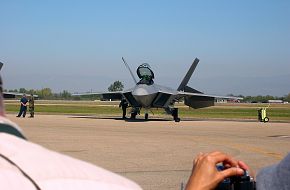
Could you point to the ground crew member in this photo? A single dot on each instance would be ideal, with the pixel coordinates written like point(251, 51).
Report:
point(31, 106)
point(23, 106)
point(124, 105)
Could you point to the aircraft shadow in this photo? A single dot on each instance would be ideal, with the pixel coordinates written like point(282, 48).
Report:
point(118, 118)
point(142, 119)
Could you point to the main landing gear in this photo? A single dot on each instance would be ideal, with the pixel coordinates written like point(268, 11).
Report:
point(174, 113)
point(146, 116)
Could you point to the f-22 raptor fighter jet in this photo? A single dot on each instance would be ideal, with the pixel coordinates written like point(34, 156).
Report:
point(146, 94)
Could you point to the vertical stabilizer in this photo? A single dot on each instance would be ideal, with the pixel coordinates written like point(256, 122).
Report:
point(129, 70)
point(188, 75)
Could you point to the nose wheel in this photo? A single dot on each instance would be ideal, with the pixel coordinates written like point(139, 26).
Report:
point(133, 115)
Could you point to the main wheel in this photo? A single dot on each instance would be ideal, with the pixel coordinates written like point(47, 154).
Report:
point(266, 119)
point(146, 116)
point(177, 119)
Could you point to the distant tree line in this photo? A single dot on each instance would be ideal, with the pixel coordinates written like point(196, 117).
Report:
point(45, 93)
point(48, 94)
point(262, 99)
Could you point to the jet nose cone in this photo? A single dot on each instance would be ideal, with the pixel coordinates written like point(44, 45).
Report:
point(140, 92)
point(144, 95)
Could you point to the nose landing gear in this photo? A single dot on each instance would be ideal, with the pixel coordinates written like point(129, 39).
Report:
point(134, 112)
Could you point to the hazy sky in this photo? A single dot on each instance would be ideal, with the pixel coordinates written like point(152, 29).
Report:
point(243, 46)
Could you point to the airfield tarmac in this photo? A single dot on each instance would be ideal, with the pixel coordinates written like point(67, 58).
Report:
point(157, 154)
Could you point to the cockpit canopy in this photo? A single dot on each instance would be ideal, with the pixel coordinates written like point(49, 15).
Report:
point(145, 74)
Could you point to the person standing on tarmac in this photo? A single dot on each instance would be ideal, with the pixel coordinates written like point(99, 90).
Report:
point(124, 105)
point(31, 106)
point(23, 106)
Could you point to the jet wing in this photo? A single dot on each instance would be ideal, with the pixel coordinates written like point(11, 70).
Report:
point(14, 95)
point(207, 95)
point(200, 100)
point(118, 95)
point(11, 95)
point(112, 95)
point(104, 95)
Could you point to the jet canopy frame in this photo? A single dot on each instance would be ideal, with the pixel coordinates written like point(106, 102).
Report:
point(145, 74)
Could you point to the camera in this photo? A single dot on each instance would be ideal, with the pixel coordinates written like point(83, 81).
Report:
point(244, 182)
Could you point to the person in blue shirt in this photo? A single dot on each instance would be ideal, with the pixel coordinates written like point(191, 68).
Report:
point(23, 106)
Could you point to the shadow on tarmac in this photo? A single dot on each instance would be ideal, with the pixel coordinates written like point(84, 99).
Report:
point(168, 119)
point(120, 119)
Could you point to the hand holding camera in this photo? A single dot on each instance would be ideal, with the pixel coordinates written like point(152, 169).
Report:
point(205, 174)
point(244, 182)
